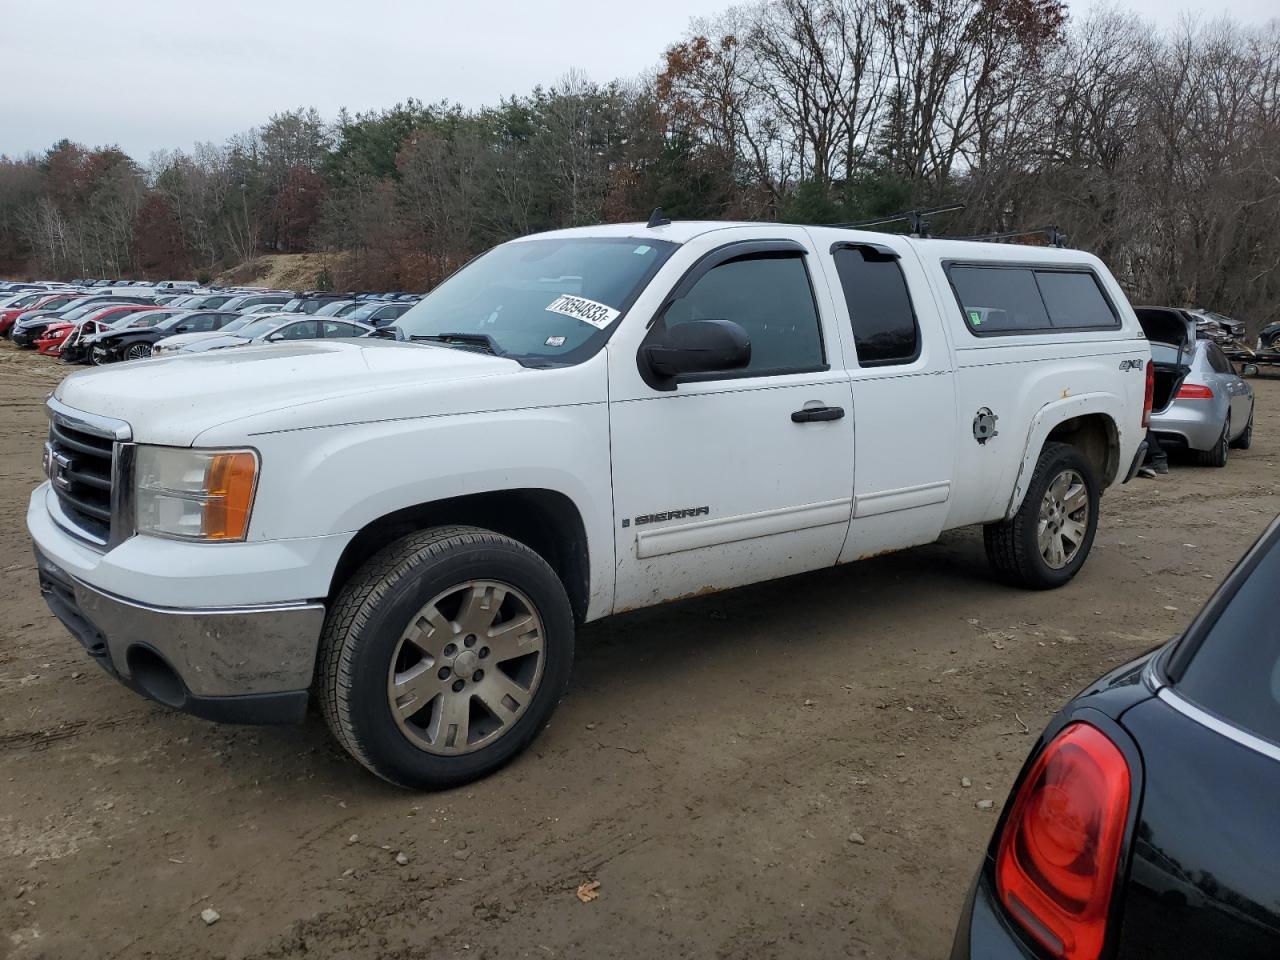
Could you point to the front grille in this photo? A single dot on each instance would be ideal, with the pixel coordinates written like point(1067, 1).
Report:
point(80, 462)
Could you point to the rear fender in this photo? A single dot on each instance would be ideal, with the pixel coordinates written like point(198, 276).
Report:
point(1052, 415)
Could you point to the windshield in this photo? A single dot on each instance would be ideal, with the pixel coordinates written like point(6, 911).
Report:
point(551, 301)
point(258, 326)
point(367, 310)
point(332, 309)
point(239, 324)
point(75, 313)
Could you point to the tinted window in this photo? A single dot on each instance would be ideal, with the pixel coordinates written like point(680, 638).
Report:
point(1022, 299)
point(299, 331)
point(999, 299)
point(1235, 672)
point(768, 296)
point(1074, 299)
point(884, 323)
point(332, 328)
point(1217, 359)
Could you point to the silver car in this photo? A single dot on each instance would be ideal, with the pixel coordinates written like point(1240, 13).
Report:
point(275, 327)
point(1200, 404)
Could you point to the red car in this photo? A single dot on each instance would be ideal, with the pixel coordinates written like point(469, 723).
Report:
point(50, 342)
point(41, 300)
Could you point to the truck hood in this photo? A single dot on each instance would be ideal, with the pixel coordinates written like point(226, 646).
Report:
point(172, 400)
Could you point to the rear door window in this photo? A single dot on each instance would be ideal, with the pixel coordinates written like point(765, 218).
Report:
point(884, 322)
point(1235, 670)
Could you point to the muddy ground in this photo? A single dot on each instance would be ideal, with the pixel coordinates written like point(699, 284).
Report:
point(708, 768)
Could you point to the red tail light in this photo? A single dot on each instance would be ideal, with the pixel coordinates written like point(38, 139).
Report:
point(1150, 398)
point(1194, 391)
point(1060, 849)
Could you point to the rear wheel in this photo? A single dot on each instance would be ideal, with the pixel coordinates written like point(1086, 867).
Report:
point(1047, 541)
point(1216, 456)
point(1245, 440)
point(444, 656)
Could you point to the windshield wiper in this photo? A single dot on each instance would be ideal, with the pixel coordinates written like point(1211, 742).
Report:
point(466, 341)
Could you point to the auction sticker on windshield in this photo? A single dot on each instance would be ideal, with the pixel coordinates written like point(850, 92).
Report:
point(599, 315)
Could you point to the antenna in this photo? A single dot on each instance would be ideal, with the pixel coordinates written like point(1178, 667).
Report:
point(919, 225)
point(656, 219)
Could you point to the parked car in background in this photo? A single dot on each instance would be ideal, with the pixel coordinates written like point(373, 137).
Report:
point(311, 301)
point(337, 308)
point(276, 327)
point(33, 323)
point(135, 344)
point(44, 300)
point(77, 348)
point(50, 342)
point(208, 301)
point(1200, 404)
point(1223, 331)
point(1143, 824)
point(379, 314)
point(247, 300)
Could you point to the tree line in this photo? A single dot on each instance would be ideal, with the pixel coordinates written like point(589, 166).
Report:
point(1159, 151)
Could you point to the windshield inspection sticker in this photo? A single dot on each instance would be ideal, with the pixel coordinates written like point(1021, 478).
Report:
point(555, 341)
point(599, 315)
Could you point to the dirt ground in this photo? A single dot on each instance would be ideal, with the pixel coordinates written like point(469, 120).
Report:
point(710, 767)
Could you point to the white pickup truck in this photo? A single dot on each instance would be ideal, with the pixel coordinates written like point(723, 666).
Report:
point(576, 424)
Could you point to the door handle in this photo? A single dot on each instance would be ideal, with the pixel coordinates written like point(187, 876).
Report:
point(812, 414)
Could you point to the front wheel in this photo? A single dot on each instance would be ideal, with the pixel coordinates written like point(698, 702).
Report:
point(1047, 541)
point(138, 351)
point(444, 656)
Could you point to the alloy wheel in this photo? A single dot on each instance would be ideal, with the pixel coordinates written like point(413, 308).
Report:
point(466, 668)
point(1064, 519)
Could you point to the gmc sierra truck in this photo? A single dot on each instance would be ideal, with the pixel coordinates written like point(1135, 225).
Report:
point(408, 531)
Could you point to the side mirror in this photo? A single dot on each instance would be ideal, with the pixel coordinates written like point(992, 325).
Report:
point(181, 328)
point(699, 346)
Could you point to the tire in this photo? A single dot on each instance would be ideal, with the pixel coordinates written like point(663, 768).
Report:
point(1245, 440)
point(137, 351)
point(1014, 546)
point(1216, 456)
point(371, 641)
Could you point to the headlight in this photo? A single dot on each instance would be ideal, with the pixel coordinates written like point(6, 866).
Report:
point(194, 494)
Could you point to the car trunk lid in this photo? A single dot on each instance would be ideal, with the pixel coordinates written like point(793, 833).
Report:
point(1172, 337)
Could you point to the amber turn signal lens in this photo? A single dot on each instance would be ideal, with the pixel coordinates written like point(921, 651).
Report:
point(230, 487)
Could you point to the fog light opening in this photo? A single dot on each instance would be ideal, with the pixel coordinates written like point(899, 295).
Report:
point(157, 679)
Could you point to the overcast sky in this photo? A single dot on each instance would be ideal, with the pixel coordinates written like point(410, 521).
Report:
point(151, 74)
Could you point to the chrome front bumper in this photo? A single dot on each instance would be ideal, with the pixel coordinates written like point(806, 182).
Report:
point(250, 664)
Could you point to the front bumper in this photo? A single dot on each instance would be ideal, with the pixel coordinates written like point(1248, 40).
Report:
point(250, 664)
point(27, 337)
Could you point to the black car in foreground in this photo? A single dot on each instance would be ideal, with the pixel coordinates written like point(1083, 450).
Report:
point(134, 343)
point(1146, 822)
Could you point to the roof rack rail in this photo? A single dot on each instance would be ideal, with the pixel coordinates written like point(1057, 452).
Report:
point(1051, 233)
point(919, 225)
